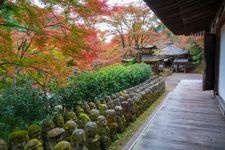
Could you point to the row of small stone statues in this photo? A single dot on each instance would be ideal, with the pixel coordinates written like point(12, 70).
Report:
point(92, 125)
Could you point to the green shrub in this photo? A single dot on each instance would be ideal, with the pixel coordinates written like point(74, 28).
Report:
point(195, 52)
point(106, 81)
point(22, 105)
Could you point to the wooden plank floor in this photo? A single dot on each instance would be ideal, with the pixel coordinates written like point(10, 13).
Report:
point(188, 120)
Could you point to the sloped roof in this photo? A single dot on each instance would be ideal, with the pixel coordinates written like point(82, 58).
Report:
point(171, 50)
point(185, 16)
point(150, 58)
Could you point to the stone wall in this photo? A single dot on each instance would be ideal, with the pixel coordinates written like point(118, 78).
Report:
point(91, 125)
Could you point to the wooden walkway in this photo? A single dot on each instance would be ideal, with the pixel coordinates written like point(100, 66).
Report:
point(189, 119)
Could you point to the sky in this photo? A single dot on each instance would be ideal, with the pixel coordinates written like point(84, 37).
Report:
point(118, 2)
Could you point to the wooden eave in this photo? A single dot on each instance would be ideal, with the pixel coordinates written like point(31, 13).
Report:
point(185, 16)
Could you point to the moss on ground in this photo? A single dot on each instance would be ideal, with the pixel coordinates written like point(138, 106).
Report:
point(133, 127)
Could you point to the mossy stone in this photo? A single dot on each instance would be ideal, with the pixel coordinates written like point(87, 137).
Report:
point(69, 127)
point(79, 110)
point(55, 132)
point(92, 105)
point(3, 145)
point(58, 120)
point(63, 145)
point(103, 108)
point(19, 135)
point(33, 144)
point(34, 131)
point(94, 114)
point(83, 119)
point(70, 115)
point(18, 139)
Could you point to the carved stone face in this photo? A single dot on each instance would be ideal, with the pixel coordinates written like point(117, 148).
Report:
point(92, 105)
point(102, 121)
point(34, 131)
point(90, 129)
point(118, 110)
point(69, 127)
point(18, 139)
point(79, 109)
point(47, 126)
point(3, 145)
point(17, 145)
point(70, 116)
point(78, 137)
point(87, 108)
point(94, 114)
point(110, 115)
point(59, 121)
point(55, 135)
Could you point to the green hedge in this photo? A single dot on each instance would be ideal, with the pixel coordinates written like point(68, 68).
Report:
point(94, 85)
point(25, 104)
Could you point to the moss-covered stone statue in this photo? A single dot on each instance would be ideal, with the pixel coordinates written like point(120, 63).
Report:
point(3, 145)
point(104, 132)
point(63, 145)
point(86, 108)
point(133, 109)
point(93, 139)
point(79, 110)
point(33, 144)
point(78, 140)
point(111, 117)
point(18, 139)
point(101, 107)
point(47, 125)
point(54, 136)
point(83, 119)
point(92, 105)
point(69, 127)
point(120, 119)
point(34, 132)
point(70, 115)
point(94, 115)
point(126, 111)
point(58, 121)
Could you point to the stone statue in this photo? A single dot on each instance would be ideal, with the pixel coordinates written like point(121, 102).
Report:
point(69, 127)
point(93, 139)
point(79, 110)
point(94, 115)
point(126, 111)
point(133, 110)
point(92, 105)
point(54, 136)
point(33, 144)
point(120, 119)
point(63, 145)
point(34, 132)
point(70, 115)
point(104, 132)
point(78, 140)
point(86, 108)
point(110, 116)
point(3, 145)
point(18, 139)
point(83, 119)
point(58, 121)
point(47, 125)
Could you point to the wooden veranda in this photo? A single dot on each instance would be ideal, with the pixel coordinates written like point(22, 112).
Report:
point(189, 119)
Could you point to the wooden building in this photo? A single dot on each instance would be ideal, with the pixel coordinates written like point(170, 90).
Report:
point(174, 57)
point(146, 55)
point(200, 17)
